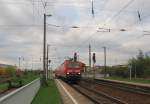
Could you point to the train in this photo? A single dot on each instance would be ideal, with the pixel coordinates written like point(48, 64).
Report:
point(70, 70)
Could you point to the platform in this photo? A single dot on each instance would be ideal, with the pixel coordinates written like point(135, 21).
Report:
point(69, 95)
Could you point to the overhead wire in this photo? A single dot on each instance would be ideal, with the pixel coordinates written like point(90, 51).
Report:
point(93, 16)
point(94, 33)
point(118, 13)
point(123, 8)
point(112, 18)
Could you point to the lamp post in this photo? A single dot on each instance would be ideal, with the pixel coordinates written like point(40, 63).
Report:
point(89, 58)
point(44, 50)
point(19, 62)
point(104, 61)
point(130, 70)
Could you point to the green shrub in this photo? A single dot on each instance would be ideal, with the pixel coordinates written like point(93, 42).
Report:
point(11, 71)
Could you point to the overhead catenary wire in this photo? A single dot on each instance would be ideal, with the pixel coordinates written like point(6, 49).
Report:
point(118, 13)
point(124, 7)
point(56, 26)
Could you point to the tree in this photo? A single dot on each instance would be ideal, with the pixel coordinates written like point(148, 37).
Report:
point(140, 65)
point(140, 56)
point(2, 71)
point(10, 70)
point(147, 66)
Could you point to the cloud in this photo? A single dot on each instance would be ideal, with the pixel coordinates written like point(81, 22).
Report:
point(21, 30)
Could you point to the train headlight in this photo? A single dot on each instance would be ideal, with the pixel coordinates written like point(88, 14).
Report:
point(67, 72)
point(79, 73)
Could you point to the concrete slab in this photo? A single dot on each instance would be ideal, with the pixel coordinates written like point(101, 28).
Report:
point(69, 95)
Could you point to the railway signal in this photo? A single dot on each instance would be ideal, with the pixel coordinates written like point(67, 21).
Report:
point(75, 56)
point(94, 58)
point(94, 61)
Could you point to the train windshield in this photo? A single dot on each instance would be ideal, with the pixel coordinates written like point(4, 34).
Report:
point(73, 65)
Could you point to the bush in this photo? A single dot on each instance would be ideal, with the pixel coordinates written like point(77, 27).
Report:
point(147, 73)
point(118, 71)
point(2, 71)
point(10, 70)
point(142, 65)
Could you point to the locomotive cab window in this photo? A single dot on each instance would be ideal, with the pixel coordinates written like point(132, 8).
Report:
point(74, 65)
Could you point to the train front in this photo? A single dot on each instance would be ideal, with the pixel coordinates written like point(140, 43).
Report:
point(74, 70)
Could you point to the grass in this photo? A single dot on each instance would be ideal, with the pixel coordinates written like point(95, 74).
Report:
point(3, 87)
point(138, 80)
point(28, 78)
point(48, 94)
point(25, 80)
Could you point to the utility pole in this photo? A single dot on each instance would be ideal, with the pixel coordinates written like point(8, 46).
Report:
point(89, 57)
point(41, 64)
point(130, 68)
point(78, 57)
point(130, 71)
point(50, 74)
point(23, 66)
point(19, 62)
point(32, 64)
point(104, 61)
point(44, 50)
point(26, 67)
point(47, 61)
point(135, 71)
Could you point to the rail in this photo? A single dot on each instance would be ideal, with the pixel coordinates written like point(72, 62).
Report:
point(124, 87)
point(127, 94)
point(97, 97)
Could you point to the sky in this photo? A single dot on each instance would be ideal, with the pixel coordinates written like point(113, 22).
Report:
point(21, 30)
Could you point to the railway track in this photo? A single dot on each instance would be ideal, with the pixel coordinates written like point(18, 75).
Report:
point(129, 88)
point(97, 97)
point(127, 95)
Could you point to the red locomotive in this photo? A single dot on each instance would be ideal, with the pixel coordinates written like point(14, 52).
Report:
point(70, 70)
